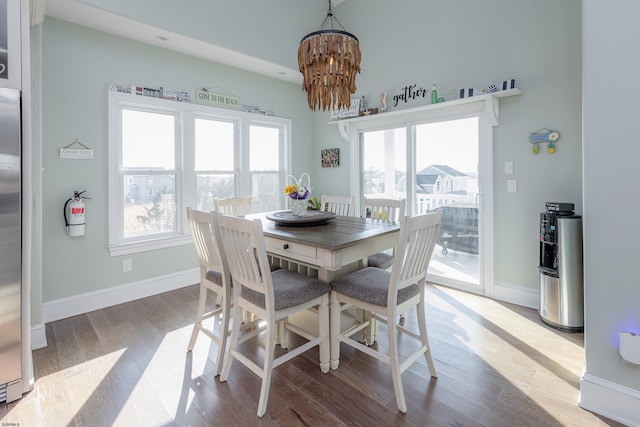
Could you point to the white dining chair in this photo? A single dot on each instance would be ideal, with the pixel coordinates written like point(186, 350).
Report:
point(378, 209)
point(339, 205)
point(236, 206)
point(385, 294)
point(272, 297)
point(214, 277)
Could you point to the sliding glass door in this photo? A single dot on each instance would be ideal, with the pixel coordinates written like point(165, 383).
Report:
point(447, 179)
point(433, 166)
point(384, 165)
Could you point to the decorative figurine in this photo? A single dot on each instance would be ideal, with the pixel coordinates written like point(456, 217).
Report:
point(544, 135)
point(383, 100)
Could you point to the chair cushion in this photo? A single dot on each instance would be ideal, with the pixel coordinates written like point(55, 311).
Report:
point(214, 276)
point(370, 285)
point(289, 289)
point(380, 260)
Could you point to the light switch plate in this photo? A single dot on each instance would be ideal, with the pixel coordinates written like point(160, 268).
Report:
point(508, 167)
point(511, 186)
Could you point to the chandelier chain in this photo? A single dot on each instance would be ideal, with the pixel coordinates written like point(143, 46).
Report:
point(329, 60)
point(330, 18)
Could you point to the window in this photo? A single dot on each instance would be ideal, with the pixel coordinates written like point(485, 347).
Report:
point(149, 173)
point(264, 166)
point(384, 165)
point(166, 155)
point(214, 161)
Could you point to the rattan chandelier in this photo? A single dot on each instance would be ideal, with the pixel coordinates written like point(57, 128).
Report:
point(329, 60)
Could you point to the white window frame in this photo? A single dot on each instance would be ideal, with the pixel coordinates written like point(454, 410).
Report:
point(285, 157)
point(185, 114)
point(190, 134)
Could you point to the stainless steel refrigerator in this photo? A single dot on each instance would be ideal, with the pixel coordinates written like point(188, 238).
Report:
point(10, 246)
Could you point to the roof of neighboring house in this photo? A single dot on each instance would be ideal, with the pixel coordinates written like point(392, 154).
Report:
point(441, 170)
point(422, 179)
point(429, 176)
point(425, 189)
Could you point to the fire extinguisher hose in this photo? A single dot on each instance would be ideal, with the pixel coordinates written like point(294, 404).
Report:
point(64, 212)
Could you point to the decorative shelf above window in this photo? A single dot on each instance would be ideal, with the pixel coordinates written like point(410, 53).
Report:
point(489, 102)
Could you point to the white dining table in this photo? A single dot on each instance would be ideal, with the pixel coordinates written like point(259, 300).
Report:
point(332, 249)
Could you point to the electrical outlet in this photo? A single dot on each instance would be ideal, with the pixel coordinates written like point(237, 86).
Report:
point(126, 265)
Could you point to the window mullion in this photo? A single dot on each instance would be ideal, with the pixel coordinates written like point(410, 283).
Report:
point(188, 174)
point(411, 169)
point(243, 183)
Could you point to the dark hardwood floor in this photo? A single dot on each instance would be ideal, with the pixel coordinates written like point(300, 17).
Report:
point(127, 365)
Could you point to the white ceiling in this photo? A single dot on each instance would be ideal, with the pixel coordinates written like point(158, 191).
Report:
point(82, 14)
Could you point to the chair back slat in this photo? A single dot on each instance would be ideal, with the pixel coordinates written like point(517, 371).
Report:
point(206, 240)
point(418, 236)
point(234, 206)
point(245, 249)
point(339, 205)
point(384, 209)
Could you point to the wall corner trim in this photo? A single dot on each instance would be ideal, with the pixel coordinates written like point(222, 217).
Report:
point(38, 336)
point(609, 399)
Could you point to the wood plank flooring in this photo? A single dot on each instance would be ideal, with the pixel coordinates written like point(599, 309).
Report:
point(127, 365)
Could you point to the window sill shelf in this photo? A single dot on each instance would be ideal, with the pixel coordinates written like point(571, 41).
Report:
point(148, 245)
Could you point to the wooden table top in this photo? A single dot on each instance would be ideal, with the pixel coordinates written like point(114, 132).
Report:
point(338, 233)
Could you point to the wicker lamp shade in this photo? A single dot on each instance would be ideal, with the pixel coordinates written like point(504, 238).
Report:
point(329, 60)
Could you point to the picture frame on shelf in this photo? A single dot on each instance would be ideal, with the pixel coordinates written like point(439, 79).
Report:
point(344, 113)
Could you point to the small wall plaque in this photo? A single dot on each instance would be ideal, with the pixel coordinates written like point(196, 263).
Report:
point(352, 111)
point(203, 96)
point(330, 158)
point(84, 153)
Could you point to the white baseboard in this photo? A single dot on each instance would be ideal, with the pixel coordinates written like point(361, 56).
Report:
point(610, 400)
point(38, 336)
point(519, 295)
point(90, 301)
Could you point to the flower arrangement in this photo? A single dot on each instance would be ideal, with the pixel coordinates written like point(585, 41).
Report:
point(299, 189)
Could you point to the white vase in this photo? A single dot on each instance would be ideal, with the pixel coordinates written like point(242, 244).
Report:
point(299, 207)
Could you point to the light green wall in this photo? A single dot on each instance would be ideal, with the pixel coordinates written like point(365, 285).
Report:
point(78, 64)
point(461, 43)
point(472, 44)
point(612, 271)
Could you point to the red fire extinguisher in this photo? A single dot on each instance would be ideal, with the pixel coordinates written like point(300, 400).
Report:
point(73, 212)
